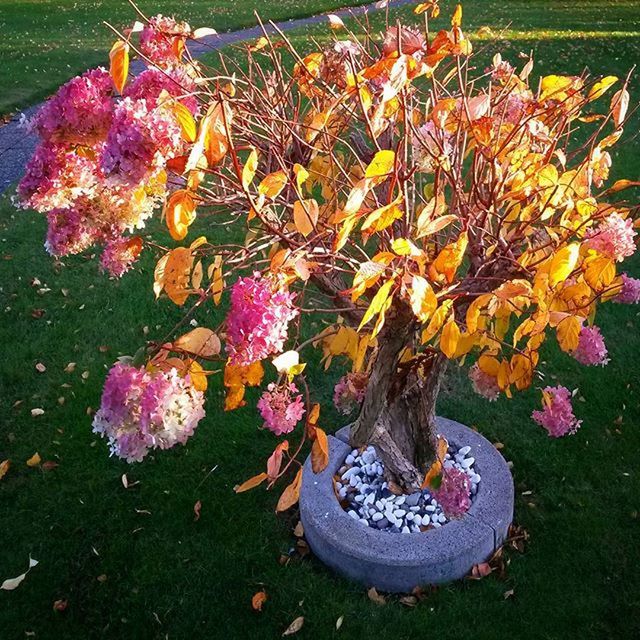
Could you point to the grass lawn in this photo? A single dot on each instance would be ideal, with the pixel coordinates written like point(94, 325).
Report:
point(45, 42)
point(133, 563)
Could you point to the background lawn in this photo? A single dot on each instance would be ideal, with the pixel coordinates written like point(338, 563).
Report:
point(133, 563)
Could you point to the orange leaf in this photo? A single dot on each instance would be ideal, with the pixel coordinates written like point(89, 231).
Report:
point(176, 274)
point(449, 338)
point(291, 494)
point(275, 460)
point(258, 600)
point(320, 451)
point(273, 184)
point(251, 483)
point(119, 64)
point(4, 467)
point(200, 342)
point(305, 216)
point(180, 212)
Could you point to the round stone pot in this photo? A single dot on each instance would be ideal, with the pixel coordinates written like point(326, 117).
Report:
point(398, 562)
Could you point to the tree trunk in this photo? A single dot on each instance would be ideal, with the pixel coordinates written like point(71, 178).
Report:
point(399, 409)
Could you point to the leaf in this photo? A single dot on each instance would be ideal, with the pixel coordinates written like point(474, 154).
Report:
point(305, 216)
point(180, 212)
point(200, 342)
point(600, 87)
point(203, 32)
point(449, 338)
point(335, 22)
point(423, 299)
point(428, 228)
point(249, 169)
point(563, 263)
point(450, 258)
point(258, 600)
point(568, 333)
point(378, 302)
point(456, 19)
point(437, 320)
point(13, 583)
point(4, 468)
point(176, 274)
point(480, 571)
point(185, 120)
point(291, 494)
point(294, 627)
point(286, 361)
point(554, 86)
point(37, 412)
point(301, 175)
point(381, 165)
point(382, 218)
point(34, 460)
point(619, 106)
point(599, 272)
point(339, 622)
point(374, 596)
point(275, 460)
point(197, 507)
point(273, 184)
point(320, 451)
point(260, 43)
point(251, 483)
point(119, 64)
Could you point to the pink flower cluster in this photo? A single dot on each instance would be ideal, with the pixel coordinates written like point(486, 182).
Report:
point(140, 141)
point(349, 392)
point(162, 39)
point(483, 384)
point(81, 110)
point(613, 237)
point(557, 414)
point(119, 254)
point(175, 80)
point(258, 319)
point(591, 349)
point(454, 493)
point(143, 410)
point(630, 292)
point(281, 408)
point(69, 230)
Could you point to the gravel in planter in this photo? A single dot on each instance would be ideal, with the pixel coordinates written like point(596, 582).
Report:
point(366, 497)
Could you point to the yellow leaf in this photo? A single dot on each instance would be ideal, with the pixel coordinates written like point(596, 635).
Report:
point(217, 282)
point(563, 263)
point(199, 342)
point(320, 451)
point(291, 494)
point(305, 216)
point(119, 64)
point(600, 87)
point(450, 258)
point(404, 247)
point(260, 43)
point(599, 272)
point(301, 175)
point(456, 19)
point(180, 212)
point(555, 86)
point(251, 483)
point(356, 197)
point(381, 165)
point(449, 338)
point(249, 169)
point(176, 274)
point(185, 120)
point(437, 320)
point(377, 302)
point(428, 228)
point(423, 298)
point(619, 106)
point(197, 375)
point(568, 333)
point(381, 218)
point(34, 460)
point(273, 184)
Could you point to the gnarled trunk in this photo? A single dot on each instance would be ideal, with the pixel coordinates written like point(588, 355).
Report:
point(398, 412)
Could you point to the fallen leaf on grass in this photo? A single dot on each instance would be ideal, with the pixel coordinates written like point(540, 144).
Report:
point(339, 622)
point(40, 368)
point(49, 465)
point(409, 601)
point(4, 467)
point(374, 596)
point(298, 531)
point(12, 583)
point(480, 571)
point(70, 368)
point(102, 577)
point(258, 600)
point(37, 412)
point(34, 460)
point(294, 627)
point(196, 511)
point(60, 605)
point(508, 594)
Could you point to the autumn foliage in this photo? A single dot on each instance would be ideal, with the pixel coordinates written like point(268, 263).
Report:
point(427, 209)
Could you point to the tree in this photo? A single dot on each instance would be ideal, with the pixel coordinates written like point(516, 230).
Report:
point(431, 211)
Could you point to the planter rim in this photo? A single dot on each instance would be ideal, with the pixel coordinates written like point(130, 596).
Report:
point(401, 561)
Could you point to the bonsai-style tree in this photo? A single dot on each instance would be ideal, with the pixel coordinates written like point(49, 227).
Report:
point(429, 209)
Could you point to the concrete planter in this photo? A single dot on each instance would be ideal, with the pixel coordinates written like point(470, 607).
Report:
point(398, 562)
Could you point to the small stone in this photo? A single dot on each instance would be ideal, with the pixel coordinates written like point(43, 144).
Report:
point(349, 459)
point(359, 498)
point(437, 525)
point(434, 518)
point(430, 508)
point(350, 473)
point(400, 513)
point(382, 523)
point(417, 519)
point(409, 517)
point(353, 481)
point(342, 492)
point(395, 529)
point(405, 529)
point(442, 518)
point(400, 500)
point(354, 515)
point(380, 504)
point(377, 516)
point(475, 478)
point(415, 528)
point(412, 500)
point(364, 521)
point(464, 450)
point(467, 462)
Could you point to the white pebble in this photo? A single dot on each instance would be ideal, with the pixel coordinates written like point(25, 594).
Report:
point(377, 516)
point(406, 529)
point(464, 450)
point(354, 515)
point(349, 459)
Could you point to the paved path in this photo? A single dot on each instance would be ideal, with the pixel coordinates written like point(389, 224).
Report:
point(16, 146)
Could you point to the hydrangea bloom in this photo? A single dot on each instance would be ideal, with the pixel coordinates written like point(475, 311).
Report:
point(280, 408)
point(119, 255)
point(81, 110)
point(69, 231)
point(430, 145)
point(175, 80)
point(349, 392)
point(591, 349)
point(613, 237)
point(453, 494)
point(630, 292)
point(412, 42)
point(258, 319)
point(162, 39)
point(557, 414)
point(484, 384)
point(140, 141)
point(142, 410)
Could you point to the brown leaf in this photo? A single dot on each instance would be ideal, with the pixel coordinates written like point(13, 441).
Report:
point(298, 531)
point(49, 465)
point(291, 494)
point(258, 600)
point(480, 571)
point(251, 483)
point(196, 511)
point(34, 460)
point(4, 467)
point(409, 601)
point(60, 605)
point(320, 451)
point(294, 627)
point(374, 596)
point(200, 342)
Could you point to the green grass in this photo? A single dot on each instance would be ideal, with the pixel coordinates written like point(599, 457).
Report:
point(162, 575)
point(45, 42)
